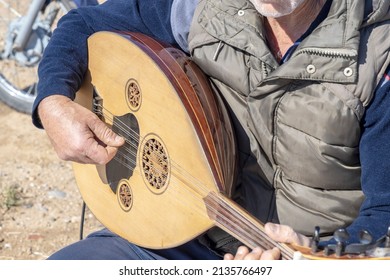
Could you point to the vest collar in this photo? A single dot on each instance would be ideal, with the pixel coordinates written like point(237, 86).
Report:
point(334, 43)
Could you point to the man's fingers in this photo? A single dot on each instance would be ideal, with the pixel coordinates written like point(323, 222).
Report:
point(105, 134)
point(228, 257)
point(244, 253)
point(255, 254)
point(273, 254)
point(76, 133)
point(103, 143)
point(99, 154)
point(285, 234)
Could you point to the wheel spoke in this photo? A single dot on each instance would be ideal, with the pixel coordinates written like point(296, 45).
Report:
point(17, 84)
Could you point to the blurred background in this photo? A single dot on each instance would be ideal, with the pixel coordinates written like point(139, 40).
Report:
point(40, 206)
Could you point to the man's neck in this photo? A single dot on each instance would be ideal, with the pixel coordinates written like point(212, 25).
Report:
point(282, 32)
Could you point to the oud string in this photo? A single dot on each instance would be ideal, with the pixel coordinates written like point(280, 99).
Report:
point(131, 138)
point(129, 134)
point(124, 129)
point(126, 132)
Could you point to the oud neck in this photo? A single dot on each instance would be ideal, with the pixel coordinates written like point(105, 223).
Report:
point(230, 217)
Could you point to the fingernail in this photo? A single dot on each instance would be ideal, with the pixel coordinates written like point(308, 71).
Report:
point(242, 250)
point(118, 138)
point(257, 250)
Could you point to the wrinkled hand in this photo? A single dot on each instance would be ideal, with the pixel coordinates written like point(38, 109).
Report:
point(279, 233)
point(76, 133)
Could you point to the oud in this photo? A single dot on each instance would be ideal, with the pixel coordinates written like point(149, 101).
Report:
point(172, 179)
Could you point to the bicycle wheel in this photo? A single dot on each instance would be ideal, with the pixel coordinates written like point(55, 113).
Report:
point(18, 68)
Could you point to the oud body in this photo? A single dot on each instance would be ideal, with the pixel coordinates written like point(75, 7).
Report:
point(179, 141)
point(172, 179)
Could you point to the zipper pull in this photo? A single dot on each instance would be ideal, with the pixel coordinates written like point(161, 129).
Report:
point(215, 57)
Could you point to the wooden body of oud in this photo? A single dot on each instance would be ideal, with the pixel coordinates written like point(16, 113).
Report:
point(185, 120)
point(170, 182)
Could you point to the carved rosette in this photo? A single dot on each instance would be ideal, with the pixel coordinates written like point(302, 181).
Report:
point(125, 196)
point(155, 164)
point(133, 95)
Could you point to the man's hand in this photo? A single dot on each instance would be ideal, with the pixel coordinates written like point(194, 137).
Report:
point(76, 133)
point(279, 233)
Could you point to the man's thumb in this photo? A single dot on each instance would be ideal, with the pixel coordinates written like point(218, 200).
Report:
point(106, 135)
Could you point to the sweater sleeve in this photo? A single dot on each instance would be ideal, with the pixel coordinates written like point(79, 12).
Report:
point(65, 59)
point(181, 18)
point(374, 215)
point(375, 161)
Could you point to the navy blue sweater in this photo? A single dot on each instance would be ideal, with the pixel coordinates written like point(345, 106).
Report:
point(65, 61)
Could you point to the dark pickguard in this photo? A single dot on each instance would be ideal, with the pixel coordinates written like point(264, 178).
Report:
point(124, 162)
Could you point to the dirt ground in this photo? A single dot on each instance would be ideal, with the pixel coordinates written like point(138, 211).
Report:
point(40, 206)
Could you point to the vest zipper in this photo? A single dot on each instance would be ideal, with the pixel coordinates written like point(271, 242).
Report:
point(348, 54)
